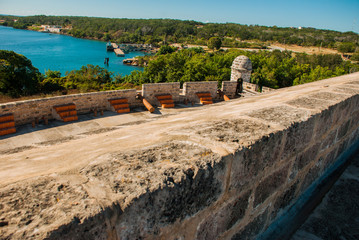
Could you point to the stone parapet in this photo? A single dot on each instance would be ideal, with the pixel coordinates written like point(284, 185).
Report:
point(27, 111)
point(191, 88)
point(267, 89)
point(250, 86)
point(151, 90)
point(229, 88)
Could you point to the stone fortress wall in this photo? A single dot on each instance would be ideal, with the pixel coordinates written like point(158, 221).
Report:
point(245, 169)
point(150, 91)
point(29, 110)
point(224, 171)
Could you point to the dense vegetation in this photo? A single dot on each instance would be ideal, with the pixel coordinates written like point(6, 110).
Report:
point(157, 31)
point(17, 75)
point(272, 69)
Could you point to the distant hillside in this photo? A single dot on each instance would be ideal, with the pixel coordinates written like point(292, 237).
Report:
point(156, 31)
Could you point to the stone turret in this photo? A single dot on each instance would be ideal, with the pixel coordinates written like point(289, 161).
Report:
point(241, 68)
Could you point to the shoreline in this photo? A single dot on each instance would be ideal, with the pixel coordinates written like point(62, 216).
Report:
point(271, 45)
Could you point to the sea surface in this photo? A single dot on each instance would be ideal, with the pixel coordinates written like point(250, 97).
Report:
point(62, 53)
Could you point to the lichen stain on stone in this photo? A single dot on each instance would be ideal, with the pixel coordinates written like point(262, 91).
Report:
point(283, 115)
point(309, 103)
point(237, 132)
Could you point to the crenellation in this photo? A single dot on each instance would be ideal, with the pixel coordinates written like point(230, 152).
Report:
point(250, 86)
point(150, 91)
point(229, 88)
point(191, 88)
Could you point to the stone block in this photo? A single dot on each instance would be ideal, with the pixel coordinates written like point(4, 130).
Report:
point(282, 115)
point(324, 122)
point(266, 152)
point(248, 163)
point(310, 103)
point(354, 137)
point(299, 135)
point(343, 130)
point(252, 229)
point(329, 159)
point(354, 123)
point(310, 177)
point(329, 141)
point(268, 185)
point(330, 96)
point(284, 199)
point(306, 157)
point(219, 222)
point(343, 146)
point(341, 111)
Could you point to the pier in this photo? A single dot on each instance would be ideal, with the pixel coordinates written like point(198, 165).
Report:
point(122, 48)
point(128, 47)
point(114, 47)
point(117, 50)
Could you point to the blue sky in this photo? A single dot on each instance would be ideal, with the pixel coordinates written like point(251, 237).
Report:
point(340, 15)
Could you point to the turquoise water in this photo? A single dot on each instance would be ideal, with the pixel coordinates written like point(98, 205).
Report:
point(62, 53)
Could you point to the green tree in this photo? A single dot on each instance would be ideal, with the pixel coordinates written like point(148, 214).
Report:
point(51, 82)
point(214, 43)
point(17, 75)
point(355, 56)
point(165, 49)
point(346, 47)
point(88, 78)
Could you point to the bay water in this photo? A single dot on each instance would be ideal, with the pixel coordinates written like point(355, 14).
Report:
point(62, 53)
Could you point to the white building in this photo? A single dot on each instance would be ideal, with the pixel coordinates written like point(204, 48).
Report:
point(52, 29)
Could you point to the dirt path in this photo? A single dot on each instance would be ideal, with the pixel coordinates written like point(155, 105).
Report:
point(308, 50)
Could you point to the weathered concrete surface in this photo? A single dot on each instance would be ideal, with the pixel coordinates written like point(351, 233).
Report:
point(337, 217)
point(196, 173)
